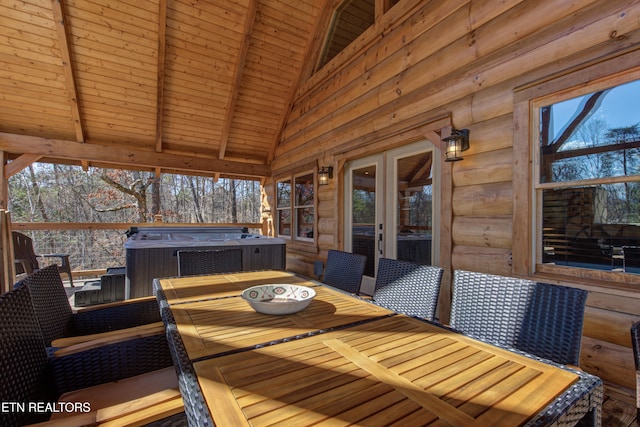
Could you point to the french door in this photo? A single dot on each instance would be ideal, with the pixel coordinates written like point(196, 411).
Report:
point(390, 207)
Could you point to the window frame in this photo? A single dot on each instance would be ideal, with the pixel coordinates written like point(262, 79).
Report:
point(294, 207)
point(280, 209)
point(527, 240)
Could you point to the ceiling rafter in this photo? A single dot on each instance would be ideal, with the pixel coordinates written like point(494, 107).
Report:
point(162, 48)
point(239, 69)
point(310, 50)
point(422, 170)
point(205, 79)
point(67, 65)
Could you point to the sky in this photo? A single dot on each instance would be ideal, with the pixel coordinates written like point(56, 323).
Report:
point(620, 107)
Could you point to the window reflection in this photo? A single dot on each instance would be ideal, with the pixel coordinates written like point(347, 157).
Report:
point(590, 150)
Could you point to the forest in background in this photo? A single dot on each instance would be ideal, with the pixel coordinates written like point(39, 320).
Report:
point(63, 193)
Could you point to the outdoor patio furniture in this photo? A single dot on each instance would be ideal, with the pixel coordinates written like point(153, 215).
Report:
point(191, 263)
point(344, 270)
point(26, 260)
point(408, 288)
point(110, 288)
point(631, 259)
point(31, 377)
point(539, 318)
point(635, 343)
point(58, 321)
point(351, 362)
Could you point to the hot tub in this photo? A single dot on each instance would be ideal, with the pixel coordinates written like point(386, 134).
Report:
point(152, 252)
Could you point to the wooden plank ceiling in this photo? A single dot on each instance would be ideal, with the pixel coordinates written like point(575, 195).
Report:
point(170, 85)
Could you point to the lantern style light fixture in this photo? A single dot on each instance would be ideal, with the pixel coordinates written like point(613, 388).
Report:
point(325, 174)
point(456, 143)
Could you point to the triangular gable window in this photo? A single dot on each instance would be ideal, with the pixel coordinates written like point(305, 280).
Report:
point(351, 18)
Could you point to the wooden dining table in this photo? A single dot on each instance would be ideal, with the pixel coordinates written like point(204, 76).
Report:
point(345, 361)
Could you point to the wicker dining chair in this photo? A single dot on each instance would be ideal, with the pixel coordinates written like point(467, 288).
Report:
point(542, 319)
point(408, 288)
point(57, 319)
point(195, 262)
point(635, 343)
point(344, 270)
point(31, 376)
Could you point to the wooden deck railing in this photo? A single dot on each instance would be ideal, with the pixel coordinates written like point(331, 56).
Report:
point(86, 259)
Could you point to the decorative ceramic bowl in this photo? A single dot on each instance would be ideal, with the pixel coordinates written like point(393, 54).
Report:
point(278, 298)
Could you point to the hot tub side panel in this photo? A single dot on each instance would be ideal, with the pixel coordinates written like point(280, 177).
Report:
point(146, 264)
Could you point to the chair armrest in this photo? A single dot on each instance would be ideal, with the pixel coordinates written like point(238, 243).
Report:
point(146, 410)
point(115, 316)
point(25, 263)
point(133, 401)
point(119, 303)
point(90, 341)
point(64, 258)
point(88, 364)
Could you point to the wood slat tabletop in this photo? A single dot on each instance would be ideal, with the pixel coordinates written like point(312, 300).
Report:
point(391, 371)
point(225, 322)
point(193, 288)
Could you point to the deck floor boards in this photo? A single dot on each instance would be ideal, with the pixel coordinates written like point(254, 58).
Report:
point(619, 409)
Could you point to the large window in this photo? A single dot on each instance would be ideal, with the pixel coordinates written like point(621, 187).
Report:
point(586, 177)
point(296, 211)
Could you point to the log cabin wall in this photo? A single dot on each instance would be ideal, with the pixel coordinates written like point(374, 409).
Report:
point(461, 59)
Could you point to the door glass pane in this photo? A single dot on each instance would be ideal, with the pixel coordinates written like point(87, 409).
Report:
point(414, 208)
point(364, 215)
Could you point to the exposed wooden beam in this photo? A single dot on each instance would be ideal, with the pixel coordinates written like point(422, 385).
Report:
point(570, 154)
point(20, 163)
point(309, 57)
point(239, 67)
point(162, 44)
point(129, 158)
point(67, 64)
point(436, 139)
point(380, 8)
point(422, 171)
point(4, 182)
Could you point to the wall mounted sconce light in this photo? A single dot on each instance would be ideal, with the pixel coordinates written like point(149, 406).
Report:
point(325, 174)
point(456, 143)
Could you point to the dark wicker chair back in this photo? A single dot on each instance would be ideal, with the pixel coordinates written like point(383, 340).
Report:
point(29, 376)
point(191, 263)
point(51, 303)
point(57, 320)
point(632, 258)
point(408, 288)
point(635, 343)
point(541, 319)
point(344, 270)
point(23, 360)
